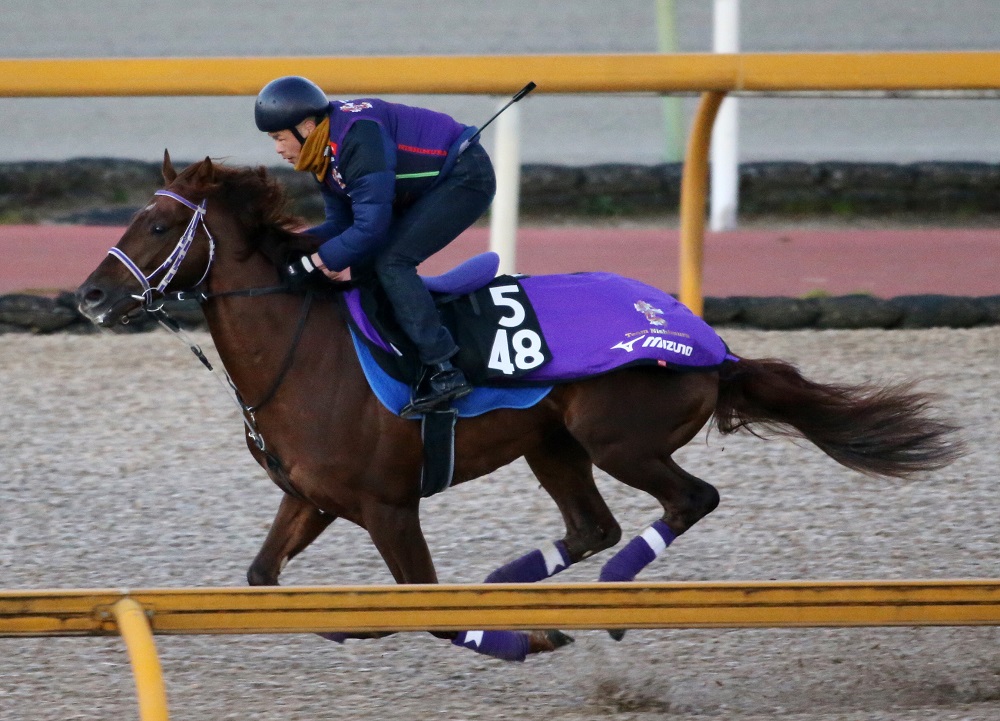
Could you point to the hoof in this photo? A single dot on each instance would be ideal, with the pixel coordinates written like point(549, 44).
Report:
point(546, 641)
point(617, 633)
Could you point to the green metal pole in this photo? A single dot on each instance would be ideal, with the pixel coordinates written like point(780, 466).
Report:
point(673, 115)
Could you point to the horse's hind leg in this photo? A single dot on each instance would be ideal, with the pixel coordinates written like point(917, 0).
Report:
point(685, 500)
point(295, 526)
point(630, 426)
point(395, 531)
point(565, 471)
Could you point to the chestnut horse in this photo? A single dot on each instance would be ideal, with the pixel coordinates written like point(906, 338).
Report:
point(336, 451)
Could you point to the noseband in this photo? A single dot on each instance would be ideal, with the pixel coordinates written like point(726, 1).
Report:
point(172, 264)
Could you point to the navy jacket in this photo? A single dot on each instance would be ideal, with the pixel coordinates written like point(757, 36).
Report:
point(384, 156)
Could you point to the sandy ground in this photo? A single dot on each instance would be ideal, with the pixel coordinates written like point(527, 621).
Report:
point(125, 467)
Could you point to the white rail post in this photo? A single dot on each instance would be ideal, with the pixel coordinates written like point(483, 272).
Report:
point(507, 163)
point(725, 152)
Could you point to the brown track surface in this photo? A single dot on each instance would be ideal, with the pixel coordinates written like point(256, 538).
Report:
point(790, 262)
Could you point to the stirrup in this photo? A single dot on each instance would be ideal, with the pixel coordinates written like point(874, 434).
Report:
point(431, 400)
point(419, 406)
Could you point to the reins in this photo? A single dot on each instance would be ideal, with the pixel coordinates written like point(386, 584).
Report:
point(170, 267)
point(248, 412)
point(202, 297)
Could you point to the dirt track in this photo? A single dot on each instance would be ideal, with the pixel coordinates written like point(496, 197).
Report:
point(776, 260)
point(125, 468)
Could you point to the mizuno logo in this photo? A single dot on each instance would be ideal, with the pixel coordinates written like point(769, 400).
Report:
point(627, 345)
point(668, 345)
point(649, 341)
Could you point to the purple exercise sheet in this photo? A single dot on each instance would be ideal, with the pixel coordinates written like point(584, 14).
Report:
point(596, 322)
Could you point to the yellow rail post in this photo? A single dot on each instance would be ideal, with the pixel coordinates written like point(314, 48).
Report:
point(694, 186)
point(138, 636)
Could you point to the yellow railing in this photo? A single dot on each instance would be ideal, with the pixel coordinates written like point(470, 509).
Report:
point(503, 74)
point(711, 74)
point(138, 614)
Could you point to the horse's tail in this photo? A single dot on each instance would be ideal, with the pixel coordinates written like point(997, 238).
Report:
point(885, 431)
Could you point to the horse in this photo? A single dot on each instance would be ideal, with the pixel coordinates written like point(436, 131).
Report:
point(337, 452)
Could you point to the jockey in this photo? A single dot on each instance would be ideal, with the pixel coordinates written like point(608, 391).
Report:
point(399, 183)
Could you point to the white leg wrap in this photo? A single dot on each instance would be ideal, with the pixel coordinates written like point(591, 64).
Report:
point(652, 537)
point(553, 559)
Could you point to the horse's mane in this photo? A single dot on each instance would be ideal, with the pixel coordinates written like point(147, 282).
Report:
point(260, 205)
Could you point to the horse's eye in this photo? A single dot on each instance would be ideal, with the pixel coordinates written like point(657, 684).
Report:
point(159, 229)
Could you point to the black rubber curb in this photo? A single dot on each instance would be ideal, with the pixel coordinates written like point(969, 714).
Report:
point(853, 312)
point(107, 191)
point(23, 313)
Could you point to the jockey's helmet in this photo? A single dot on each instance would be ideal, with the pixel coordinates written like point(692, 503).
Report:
point(285, 102)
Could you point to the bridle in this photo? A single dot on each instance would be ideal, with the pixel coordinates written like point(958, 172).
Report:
point(169, 268)
point(172, 264)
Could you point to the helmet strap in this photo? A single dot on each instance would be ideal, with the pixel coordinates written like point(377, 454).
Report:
point(295, 131)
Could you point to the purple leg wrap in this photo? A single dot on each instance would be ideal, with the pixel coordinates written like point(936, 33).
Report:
point(534, 566)
point(506, 645)
point(638, 553)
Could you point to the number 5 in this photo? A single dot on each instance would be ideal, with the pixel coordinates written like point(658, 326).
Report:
point(498, 300)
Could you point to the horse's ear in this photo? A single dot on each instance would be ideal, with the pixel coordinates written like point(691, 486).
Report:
point(206, 171)
point(169, 174)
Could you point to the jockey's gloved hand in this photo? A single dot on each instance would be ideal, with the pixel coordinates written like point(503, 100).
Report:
point(299, 271)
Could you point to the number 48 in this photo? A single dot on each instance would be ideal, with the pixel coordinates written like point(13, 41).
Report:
point(525, 343)
point(527, 346)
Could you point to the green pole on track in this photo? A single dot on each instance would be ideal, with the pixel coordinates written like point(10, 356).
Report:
point(673, 116)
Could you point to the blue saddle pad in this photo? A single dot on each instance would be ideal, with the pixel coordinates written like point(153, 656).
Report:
point(395, 394)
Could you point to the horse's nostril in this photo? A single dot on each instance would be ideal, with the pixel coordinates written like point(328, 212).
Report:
point(93, 296)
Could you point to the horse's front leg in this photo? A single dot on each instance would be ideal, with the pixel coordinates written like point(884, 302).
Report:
point(295, 526)
point(396, 533)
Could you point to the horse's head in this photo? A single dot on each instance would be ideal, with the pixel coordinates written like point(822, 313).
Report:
point(170, 244)
point(166, 246)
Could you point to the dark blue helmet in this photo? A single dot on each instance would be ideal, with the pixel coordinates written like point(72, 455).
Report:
point(284, 103)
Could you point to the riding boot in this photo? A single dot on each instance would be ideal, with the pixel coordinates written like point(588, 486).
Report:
point(438, 386)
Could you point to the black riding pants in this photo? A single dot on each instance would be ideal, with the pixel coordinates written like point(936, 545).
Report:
point(427, 226)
